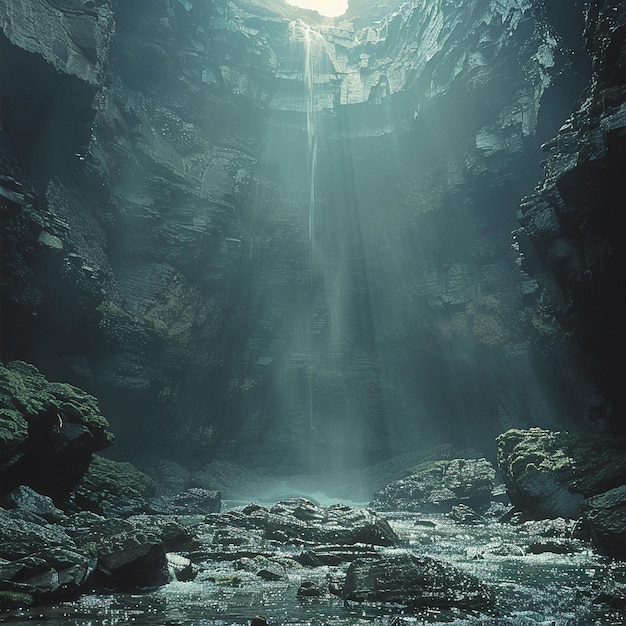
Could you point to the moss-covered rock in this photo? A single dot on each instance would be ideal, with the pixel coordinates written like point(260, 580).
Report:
point(13, 429)
point(114, 488)
point(438, 486)
point(26, 393)
point(14, 600)
point(549, 474)
point(48, 431)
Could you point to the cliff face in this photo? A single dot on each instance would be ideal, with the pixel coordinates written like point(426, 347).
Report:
point(574, 221)
point(282, 239)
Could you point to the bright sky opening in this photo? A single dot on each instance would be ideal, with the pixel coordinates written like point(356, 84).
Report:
point(330, 8)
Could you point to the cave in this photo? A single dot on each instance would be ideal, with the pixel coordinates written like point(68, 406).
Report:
point(363, 253)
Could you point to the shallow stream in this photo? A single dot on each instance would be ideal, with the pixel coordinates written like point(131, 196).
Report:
point(548, 589)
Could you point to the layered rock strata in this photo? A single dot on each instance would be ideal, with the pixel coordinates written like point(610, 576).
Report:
point(171, 248)
point(573, 224)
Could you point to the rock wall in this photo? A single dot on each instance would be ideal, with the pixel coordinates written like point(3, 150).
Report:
point(282, 243)
point(573, 223)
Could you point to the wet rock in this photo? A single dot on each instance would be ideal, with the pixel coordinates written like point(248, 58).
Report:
point(501, 549)
point(131, 552)
point(499, 494)
point(174, 535)
point(114, 488)
point(271, 573)
point(132, 560)
point(87, 528)
point(549, 474)
point(334, 555)
point(39, 559)
point(439, 485)
point(463, 514)
point(298, 521)
point(181, 567)
point(498, 511)
point(414, 581)
point(49, 575)
point(262, 566)
point(196, 501)
point(23, 533)
point(615, 599)
point(558, 528)
point(48, 432)
point(27, 499)
point(341, 533)
point(605, 515)
point(310, 589)
point(339, 524)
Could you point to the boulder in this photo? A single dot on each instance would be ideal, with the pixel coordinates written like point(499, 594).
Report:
point(553, 546)
point(131, 553)
point(132, 560)
point(341, 533)
point(301, 519)
point(48, 432)
point(334, 555)
point(605, 516)
point(311, 589)
point(463, 514)
point(549, 474)
point(28, 499)
point(438, 486)
point(196, 501)
point(22, 533)
point(49, 575)
point(414, 581)
point(174, 535)
point(114, 488)
point(41, 560)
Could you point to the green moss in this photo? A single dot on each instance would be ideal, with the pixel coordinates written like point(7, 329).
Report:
point(14, 600)
point(118, 477)
point(489, 321)
point(13, 427)
point(22, 387)
point(25, 393)
point(534, 451)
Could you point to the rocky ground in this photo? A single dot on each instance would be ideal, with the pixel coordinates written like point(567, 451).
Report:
point(116, 529)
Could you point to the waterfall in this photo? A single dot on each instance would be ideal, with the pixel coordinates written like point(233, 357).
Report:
point(312, 49)
point(312, 46)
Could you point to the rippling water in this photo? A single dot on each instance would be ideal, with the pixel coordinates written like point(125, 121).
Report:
point(549, 589)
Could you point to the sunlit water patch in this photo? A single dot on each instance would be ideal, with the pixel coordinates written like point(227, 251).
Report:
point(531, 589)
